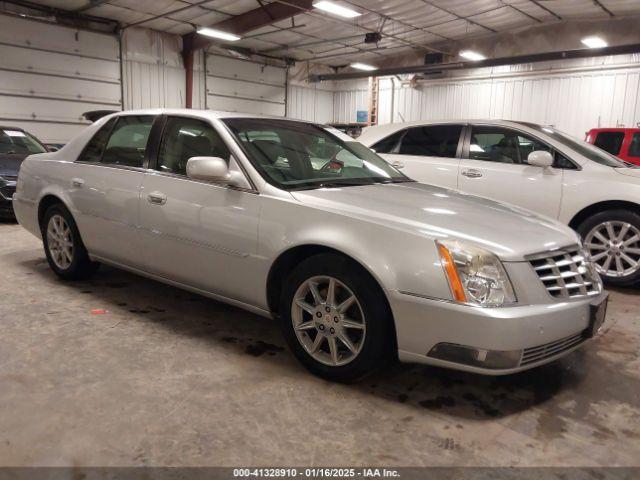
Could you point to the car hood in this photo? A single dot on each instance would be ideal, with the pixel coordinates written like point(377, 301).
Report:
point(628, 172)
point(508, 231)
point(10, 164)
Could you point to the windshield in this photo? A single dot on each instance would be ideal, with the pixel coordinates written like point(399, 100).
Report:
point(583, 148)
point(18, 142)
point(296, 155)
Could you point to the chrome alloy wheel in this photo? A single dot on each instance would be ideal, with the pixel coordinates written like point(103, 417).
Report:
point(60, 242)
point(328, 321)
point(614, 248)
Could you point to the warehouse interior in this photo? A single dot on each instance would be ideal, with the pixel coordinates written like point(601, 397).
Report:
point(124, 371)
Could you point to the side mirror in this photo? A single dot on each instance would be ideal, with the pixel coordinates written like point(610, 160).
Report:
point(210, 169)
point(540, 158)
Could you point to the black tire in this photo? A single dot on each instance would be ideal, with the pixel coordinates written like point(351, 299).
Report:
point(618, 215)
point(81, 265)
point(379, 344)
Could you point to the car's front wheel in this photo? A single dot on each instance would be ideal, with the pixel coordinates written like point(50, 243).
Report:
point(613, 240)
point(335, 318)
point(66, 254)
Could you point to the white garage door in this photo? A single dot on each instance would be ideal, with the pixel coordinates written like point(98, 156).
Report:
point(236, 85)
point(50, 75)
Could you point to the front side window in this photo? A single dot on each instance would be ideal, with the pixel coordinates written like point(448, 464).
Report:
point(432, 141)
point(184, 138)
point(610, 141)
point(591, 152)
point(18, 142)
point(293, 155)
point(502, 145)
point(93, 151)
point(634, 146)
point(128, 141)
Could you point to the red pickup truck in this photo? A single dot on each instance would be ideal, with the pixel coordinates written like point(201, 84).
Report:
point(621, 142)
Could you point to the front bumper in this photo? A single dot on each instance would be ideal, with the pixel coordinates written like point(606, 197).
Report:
point(7, 189)
point(538, 334)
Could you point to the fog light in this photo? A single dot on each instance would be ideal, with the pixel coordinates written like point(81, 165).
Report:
point(494, 359)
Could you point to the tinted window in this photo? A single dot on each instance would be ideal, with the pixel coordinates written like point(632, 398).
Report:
point(583, 148)
point(610, 141)
point(93, 151)
point(389, 144)
point(495, 144)
point(434, 141)
point(128, 141)
point(18, 142)
point(301, 155)
point(634, 146)
point(184, 138)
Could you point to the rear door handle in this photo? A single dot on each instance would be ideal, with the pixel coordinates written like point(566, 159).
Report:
point(157, 198)
point(472, 173)
point(77, 182)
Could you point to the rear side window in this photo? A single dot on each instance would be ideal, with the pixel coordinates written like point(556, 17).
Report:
point(93, 151)
point(432, 141)
point(389, 144)
point(184, 138)
point(610, 141)
point(128, 141)
point(634, 146)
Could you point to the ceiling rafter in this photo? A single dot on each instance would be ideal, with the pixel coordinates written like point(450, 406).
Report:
point(366, 29)
point(459, 17)
point(599, 3)
point(548, 10)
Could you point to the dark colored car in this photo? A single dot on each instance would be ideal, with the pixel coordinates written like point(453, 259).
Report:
point(15, 145)
point(624, 143)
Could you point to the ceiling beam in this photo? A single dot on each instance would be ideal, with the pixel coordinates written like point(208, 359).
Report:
point(489, 62)
point(259, 17)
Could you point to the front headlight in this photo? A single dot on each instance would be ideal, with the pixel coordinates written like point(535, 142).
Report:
point(476, 277)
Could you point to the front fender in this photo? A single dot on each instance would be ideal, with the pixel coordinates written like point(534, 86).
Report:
point(397, 260)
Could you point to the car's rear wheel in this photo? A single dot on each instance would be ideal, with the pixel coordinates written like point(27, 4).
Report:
point(613, 241)
point(66, 254)
point(335, 318)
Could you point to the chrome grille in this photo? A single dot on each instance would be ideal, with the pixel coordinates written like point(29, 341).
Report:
point(566, 273)
point(548, 350)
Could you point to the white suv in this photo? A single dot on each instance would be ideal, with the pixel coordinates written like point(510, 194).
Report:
point(532, 166)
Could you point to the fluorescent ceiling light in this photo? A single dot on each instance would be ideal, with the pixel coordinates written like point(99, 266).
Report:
point(363, 66)
point(594, 42)
point(471, 55)
point(336, 9)
point(212, 32)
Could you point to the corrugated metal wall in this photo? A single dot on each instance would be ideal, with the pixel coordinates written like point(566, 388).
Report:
point(153, 72)
point(572, 96)
point(349, 97)
point(310, 103)
point(50, 75)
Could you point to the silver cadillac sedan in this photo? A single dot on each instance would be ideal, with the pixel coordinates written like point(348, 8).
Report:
point(294, 220)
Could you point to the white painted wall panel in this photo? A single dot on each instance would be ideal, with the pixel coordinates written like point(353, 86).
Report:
point(243, 86)
point(50, 75)
point(346, 103)
point(573, 101)
point(310, 103)
point(153, 72)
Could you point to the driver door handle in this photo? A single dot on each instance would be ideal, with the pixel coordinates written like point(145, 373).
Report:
point(472, 173)
point(77, 182)
point(157, 198)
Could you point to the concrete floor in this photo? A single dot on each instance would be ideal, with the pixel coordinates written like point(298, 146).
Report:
point(165, 377)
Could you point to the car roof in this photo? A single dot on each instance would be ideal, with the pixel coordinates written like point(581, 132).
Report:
point(9, 127)
point(206, 114)
point(615, 129)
